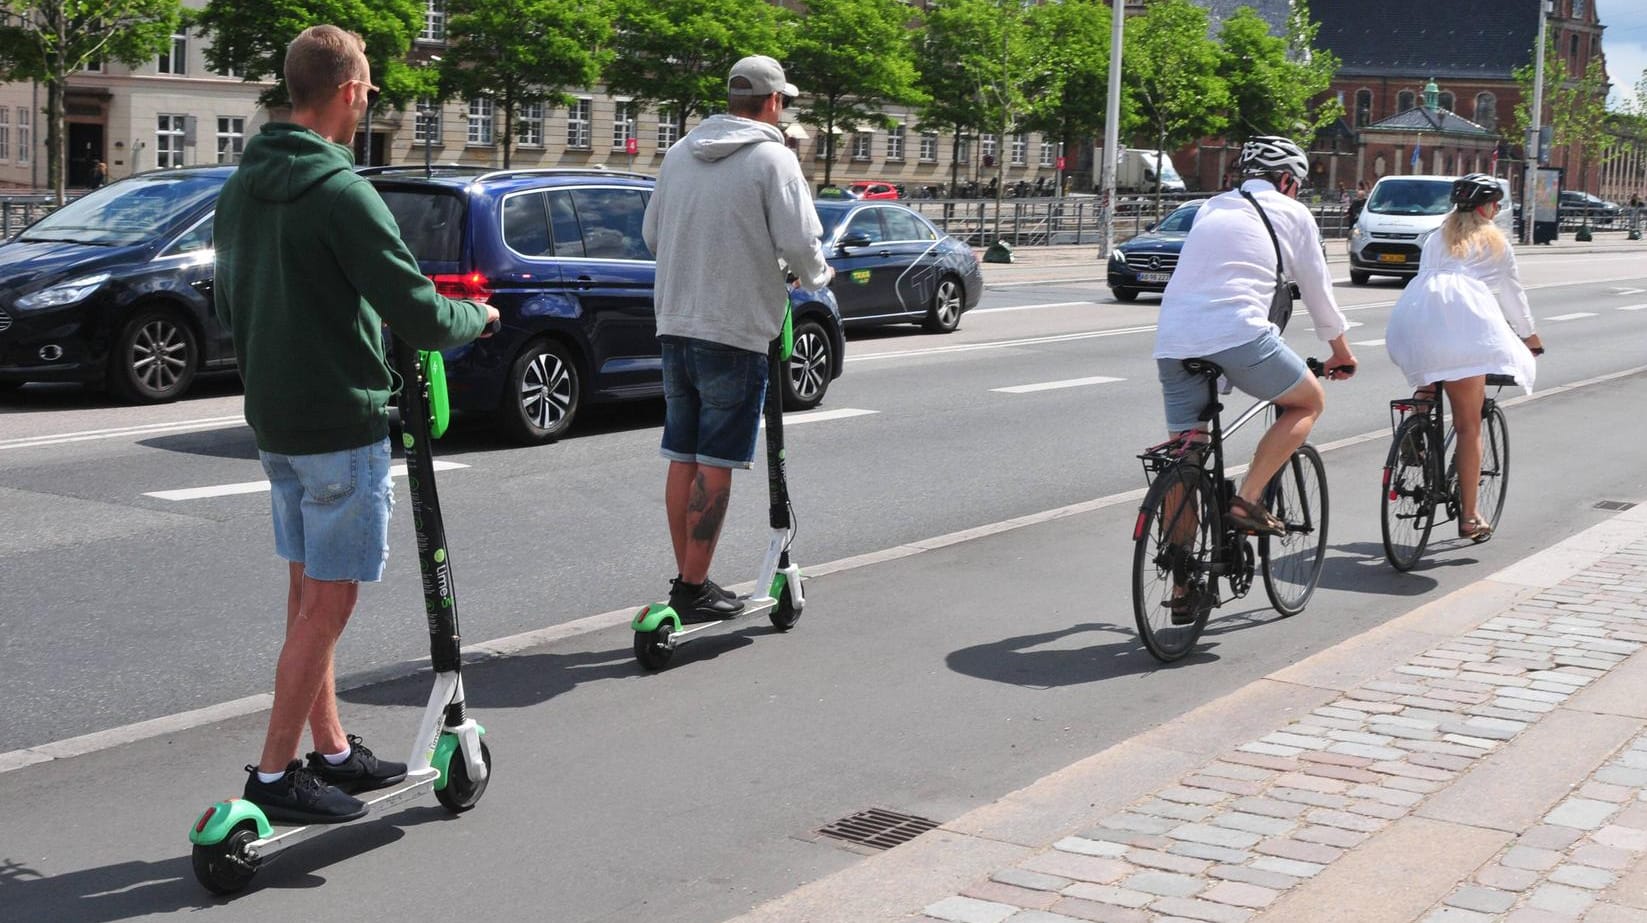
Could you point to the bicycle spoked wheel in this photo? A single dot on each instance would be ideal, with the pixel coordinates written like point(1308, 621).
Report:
point(1495, 466)
point(1292, 562)
point(1408, 498)
point(1174, 546)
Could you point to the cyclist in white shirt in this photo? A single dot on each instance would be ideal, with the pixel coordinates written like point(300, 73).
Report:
point(1217, 307)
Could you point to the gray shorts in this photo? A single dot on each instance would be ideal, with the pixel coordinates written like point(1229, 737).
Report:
point(1265, 368)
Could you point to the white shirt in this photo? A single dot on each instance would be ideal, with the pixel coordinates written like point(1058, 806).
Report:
point(1219, 295)
point(1462, 317)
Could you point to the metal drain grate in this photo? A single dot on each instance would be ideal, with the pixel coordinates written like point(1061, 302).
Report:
point(1616, 505)
point(878, 828)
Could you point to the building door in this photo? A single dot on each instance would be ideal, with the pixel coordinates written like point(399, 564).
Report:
point(85, 152)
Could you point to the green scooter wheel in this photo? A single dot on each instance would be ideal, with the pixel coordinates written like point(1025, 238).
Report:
point(785, 614)
point(225, 867)
point(652, 647)
point(460, 792)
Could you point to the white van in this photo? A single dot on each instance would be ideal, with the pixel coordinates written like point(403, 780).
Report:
point(1135, 171)
point(1400, 214)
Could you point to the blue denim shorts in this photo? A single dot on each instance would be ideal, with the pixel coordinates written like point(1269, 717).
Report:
point(331, 511)
point(714, 395)
point(1265, 368)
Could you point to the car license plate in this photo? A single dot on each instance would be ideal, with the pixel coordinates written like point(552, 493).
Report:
point(1392, 257)
point(1154, 276)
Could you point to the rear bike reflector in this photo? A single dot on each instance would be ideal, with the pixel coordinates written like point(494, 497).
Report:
point(205, 818)
point(1138, 527)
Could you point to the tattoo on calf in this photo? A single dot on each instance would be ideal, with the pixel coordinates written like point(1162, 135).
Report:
point(713, 513)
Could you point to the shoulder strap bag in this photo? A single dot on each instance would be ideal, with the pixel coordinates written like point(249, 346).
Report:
point(1281, 301)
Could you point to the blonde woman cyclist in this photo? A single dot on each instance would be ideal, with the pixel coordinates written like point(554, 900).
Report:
point(1463, 318)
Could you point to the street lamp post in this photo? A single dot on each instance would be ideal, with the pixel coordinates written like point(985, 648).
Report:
point(426, 118)
point(1112, 130)
point(1527, 213)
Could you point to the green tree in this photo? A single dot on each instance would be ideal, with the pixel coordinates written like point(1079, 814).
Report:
point(523, 52)
point(47, 40)
point(1576, 112)
point(1068, 70)
point(956, 56)
point(677, 53)
point(250, 37)
point(850, 58)
point(1272, 79)
point(1170, 69)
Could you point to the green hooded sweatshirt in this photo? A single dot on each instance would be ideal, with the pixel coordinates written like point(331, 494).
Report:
point(310, 265)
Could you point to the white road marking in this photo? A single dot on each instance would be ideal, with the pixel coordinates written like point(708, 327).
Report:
point(1574, 316)
point(1055, 385)
point(1352, 324)
point(1634, 307)
point(1368, 343)
point(1000, 344)
point(253, 487)
point(616, 618)
point(1032, 307)
point(1629, 291)
point(989, 285)
point(146, 429)
point(819, 416)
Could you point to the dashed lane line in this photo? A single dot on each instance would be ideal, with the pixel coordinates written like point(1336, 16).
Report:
point(255, 487)
point(1573, 316)
point(1055, 385)
point(145, 429)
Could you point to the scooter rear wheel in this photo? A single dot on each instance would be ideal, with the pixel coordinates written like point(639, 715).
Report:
point(652, 647)
point(223, 867)
point(462, 793)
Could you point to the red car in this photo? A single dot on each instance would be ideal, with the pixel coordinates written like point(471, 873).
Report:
point(868, 190)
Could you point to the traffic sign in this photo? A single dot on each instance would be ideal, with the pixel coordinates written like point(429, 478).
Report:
point(631, 147)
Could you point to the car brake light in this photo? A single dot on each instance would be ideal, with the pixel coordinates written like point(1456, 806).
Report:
point(471, 286)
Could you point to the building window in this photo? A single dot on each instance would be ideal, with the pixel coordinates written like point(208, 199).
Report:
point(623, 125)
point(230, 71)
point(25, 135)
point(863, 143)
point(480, 120)
point(1447, 100)
point(895, 143)
point(1574, 43)
point(1020, 148)
point(1486, 110)
point(578, 127)
point(963, 150)
point(1048, 153)
point(94, 67)
point(168, 141)
point(1404, 100)
point(176, 60)
point(529, 124)
point(5, 133)
point(434, 21)
point(231, 138)
point(929, 147)
point(1363, 108)
point(986, 147)
point(668, 131)
point(426, 126)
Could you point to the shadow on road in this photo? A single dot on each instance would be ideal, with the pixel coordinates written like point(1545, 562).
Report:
point(1017, 661)
point(1359, 567)
point(126, 890)
point(50, 397)
point(236, 443)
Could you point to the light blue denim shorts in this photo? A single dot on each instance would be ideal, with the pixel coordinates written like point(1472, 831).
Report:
point(331, 511)
point(1265, 368)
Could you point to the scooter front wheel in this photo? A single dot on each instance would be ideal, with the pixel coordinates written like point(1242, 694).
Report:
point(652, 647)
point(226, 867)
point(462, 793)
point(785, 614)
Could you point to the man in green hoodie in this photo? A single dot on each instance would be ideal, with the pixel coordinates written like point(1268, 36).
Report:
point(310, 265)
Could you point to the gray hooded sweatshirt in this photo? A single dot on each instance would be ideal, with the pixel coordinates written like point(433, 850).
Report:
point(729, 204)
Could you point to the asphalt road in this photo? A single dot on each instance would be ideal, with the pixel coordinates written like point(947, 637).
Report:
point(930, 683)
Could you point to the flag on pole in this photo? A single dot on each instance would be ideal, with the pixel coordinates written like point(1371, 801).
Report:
point(1417, 147)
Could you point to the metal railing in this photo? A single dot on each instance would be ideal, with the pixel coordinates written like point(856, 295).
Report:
point(19, 211)
point(1075, 219)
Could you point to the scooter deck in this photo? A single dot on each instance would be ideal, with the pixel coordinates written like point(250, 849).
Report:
point(284, 835)
point(752, 606)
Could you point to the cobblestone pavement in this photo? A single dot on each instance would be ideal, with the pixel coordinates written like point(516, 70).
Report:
point(1235, 838)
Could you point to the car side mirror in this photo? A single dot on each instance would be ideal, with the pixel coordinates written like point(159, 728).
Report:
point(1150, 226)
point(859, 239)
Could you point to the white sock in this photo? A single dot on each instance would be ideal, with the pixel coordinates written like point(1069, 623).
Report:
point(338, 759)
point(268, 777)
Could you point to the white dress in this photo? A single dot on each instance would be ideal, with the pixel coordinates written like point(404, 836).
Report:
point(1462, 317)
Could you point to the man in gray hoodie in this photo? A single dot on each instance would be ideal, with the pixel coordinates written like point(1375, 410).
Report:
point(730, 203)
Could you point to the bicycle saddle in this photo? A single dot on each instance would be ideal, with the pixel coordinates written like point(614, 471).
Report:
point(1201, 367)
point(1500, 381)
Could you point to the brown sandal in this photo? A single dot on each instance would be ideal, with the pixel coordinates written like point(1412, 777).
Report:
point(1476, 529)
point(1251, 517)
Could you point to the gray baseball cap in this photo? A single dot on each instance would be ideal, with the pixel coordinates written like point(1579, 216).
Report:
point(765, 76)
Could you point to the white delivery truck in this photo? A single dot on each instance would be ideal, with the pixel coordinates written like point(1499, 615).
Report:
point(1137, 169)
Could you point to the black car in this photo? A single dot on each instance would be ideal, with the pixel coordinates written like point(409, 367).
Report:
point(1576, 205)
point(1145, 263)
point(892, 266)
point(114, 289)
point(559, 253)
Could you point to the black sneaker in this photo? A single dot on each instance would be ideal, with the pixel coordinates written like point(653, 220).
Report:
point(700, 602)
point(299, 797)
point(721, 591)
point(361, 772)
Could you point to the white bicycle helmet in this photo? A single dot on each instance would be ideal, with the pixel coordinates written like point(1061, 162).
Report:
point(1273, 154)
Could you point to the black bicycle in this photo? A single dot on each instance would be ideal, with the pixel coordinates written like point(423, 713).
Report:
point(1184, 544)
point(1415, 483)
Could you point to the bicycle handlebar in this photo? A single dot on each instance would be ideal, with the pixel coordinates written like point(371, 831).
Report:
point(1320, 370)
